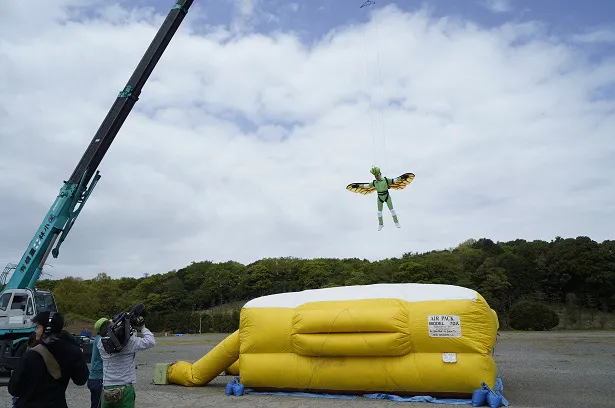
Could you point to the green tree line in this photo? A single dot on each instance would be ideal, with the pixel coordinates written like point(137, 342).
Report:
point(569, 275)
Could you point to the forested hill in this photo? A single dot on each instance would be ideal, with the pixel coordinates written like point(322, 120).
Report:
point(578, 273)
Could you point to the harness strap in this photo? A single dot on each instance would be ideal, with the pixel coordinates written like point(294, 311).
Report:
point(52, 364)
point(384, 193)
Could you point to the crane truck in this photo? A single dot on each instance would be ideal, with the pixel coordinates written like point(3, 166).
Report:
point(20, 300)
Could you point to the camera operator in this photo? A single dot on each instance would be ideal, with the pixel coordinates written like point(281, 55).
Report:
point(119, 370)
point(43, 372)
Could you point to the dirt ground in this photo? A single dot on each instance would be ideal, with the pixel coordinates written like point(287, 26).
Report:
point(560, 369)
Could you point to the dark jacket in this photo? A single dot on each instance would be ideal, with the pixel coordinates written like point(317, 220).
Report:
point(33, 384)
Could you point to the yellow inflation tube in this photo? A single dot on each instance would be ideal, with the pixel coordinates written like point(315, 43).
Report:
point(207, 367)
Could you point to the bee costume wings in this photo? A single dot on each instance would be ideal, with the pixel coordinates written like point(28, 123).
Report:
point(382, 185)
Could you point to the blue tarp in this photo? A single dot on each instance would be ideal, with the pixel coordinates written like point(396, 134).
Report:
point(304, 394)
point(499, 387)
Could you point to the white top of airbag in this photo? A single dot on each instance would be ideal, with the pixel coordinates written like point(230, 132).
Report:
point(410, 292)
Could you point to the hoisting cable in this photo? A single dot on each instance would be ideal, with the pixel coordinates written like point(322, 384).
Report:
point(369, 85)
point(384, 136)
point(365, 4)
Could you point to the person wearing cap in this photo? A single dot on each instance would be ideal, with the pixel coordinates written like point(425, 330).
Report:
point(119, 371)
point(43, 372)
point(95, 382)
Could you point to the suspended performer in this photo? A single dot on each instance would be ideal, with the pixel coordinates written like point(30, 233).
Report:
point(381, 185)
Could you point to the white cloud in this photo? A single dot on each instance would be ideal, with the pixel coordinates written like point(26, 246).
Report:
point(601, 35)
point(498, 6)
point(247, 14)
point(241, 146)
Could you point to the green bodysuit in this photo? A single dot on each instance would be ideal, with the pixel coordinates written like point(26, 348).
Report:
point(382, 188)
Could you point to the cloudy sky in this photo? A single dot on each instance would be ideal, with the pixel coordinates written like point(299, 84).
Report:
point(258, 115)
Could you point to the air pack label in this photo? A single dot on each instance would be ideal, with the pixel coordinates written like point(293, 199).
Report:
point(444, 325)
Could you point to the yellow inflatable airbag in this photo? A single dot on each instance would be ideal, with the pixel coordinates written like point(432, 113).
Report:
point(402, 338)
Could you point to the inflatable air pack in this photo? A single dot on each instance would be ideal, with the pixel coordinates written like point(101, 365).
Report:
point(403, 339)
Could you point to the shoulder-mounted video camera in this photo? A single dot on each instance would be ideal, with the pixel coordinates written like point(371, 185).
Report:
point(115, 338)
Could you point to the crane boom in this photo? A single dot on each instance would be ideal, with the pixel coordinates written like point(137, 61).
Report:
point(74, 193)
point(128, 96)
point(19, 300)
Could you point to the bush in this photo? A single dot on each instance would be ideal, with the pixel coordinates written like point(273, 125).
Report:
point(531, 315)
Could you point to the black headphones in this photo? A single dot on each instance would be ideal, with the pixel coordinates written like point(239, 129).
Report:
point(48, 325)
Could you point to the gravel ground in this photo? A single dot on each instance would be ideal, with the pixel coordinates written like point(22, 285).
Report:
point(560, 369)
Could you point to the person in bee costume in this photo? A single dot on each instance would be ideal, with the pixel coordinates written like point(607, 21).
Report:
point(382, 185)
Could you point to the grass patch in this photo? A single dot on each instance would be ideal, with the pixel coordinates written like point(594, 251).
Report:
point(227, 307)
point(208, 339)
point(71, 317)
point(76, 323)
point(574, 317)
